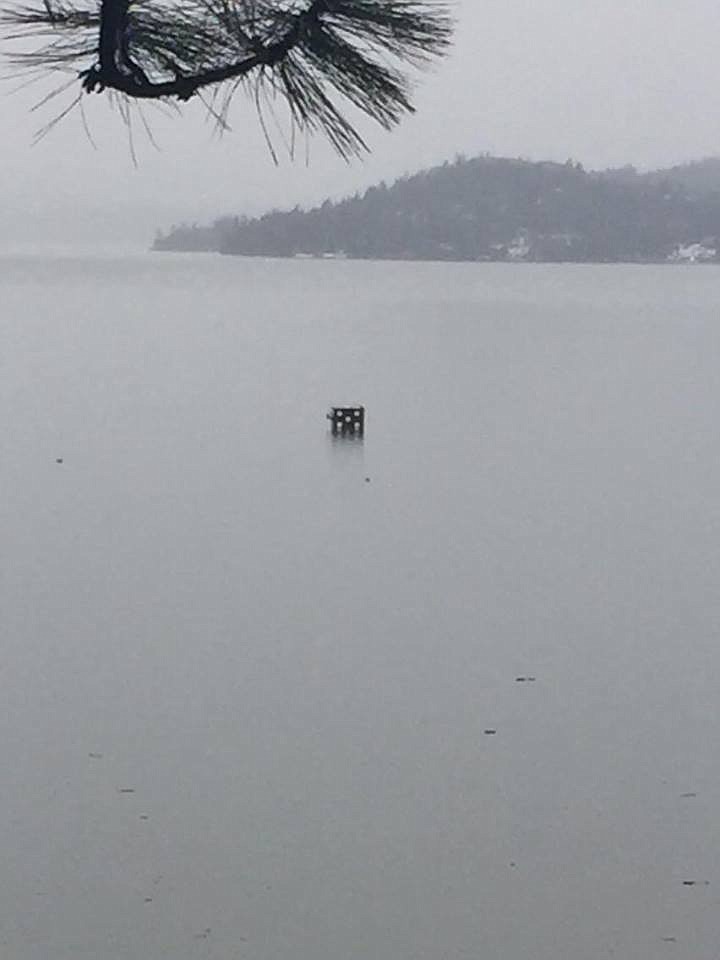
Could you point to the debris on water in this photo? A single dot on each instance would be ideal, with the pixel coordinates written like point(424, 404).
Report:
point(696, 883)
point(512, 863)
point(669, 939)
point(367, 479)
point(58, 459)
point(204, 935)
point(95, 756)
point(144, 816)
point(688, 796)
point(525, 679)
point(148, 899)
point(126, 790)
point(489, 733)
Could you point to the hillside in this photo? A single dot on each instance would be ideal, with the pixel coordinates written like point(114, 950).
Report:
point(490, 208)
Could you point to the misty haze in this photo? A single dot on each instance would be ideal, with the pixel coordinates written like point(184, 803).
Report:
point(443, 689)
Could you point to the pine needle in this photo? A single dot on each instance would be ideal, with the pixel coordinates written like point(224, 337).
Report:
point(319, 55)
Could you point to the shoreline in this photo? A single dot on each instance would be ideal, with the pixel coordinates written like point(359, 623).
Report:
point(324, 258)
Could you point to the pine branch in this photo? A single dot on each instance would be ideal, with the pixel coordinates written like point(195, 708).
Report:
point(310, 52)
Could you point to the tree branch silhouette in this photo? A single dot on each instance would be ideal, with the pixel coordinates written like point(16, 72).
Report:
point(310, 53)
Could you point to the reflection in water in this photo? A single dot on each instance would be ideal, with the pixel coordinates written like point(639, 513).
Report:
point(346, 440)
point(346, 448)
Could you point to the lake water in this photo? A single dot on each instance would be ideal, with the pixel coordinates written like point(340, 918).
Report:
point(293, 668)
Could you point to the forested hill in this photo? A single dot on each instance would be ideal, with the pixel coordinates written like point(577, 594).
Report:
point(490, 208)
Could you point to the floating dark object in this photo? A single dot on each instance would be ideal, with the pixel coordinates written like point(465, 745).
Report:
point(367, 479)
point(688, 796)
point(148, 899)
point(58, 459)
point(95, 756)
point(144, 816)
point(126, 790)
point(525, 679)
point(696, 883)
point(489, 733)
point(669, 939)
point(345, 420)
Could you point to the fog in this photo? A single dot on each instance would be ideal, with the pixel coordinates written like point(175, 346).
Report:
point(447, 691)
point(606, 84)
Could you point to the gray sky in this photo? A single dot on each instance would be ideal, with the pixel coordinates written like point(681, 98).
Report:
point(606, 83)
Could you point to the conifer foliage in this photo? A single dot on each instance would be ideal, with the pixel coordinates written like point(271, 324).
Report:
point(318, 56)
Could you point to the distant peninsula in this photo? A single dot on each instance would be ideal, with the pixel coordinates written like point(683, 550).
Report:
point(492, 209)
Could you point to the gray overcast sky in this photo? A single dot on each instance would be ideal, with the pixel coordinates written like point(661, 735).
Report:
point(606, 83)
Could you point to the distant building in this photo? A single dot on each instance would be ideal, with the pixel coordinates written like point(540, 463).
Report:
point(519, 247)
point(693, 253)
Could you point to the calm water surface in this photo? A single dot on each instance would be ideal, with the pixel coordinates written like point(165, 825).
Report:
point(293, 669)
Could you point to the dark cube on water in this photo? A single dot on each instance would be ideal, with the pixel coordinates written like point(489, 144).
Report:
point(347, 419)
